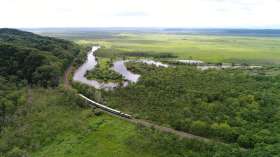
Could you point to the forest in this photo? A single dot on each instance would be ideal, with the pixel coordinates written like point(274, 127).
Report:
point(27, 59)
point(36, 59)
point(234, 106)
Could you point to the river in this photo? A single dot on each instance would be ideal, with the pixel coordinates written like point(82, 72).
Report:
point(119, 67)
point(90, 63)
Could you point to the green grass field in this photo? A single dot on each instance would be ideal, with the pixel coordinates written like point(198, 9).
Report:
point(252, 50)
point(106, 138)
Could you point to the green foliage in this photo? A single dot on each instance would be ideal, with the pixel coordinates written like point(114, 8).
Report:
point(163, 145)
point(88, 91)
point(224, 131)
point(229, 105)
point(115, 52)
point(37, 124)
point(39, 60)
point(16, 152)
point(54, 125)
point(11, 96)
point(139, 68)
point(199, 127)
point(235, 106)
point(103, 72)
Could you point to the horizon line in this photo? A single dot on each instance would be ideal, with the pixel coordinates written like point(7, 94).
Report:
point(148, 27)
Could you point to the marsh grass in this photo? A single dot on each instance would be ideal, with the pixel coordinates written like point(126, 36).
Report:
point(238, 49)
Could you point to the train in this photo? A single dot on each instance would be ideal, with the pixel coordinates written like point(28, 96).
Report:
point(106, 108)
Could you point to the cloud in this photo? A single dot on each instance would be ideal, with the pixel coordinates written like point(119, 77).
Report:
point(144, 13)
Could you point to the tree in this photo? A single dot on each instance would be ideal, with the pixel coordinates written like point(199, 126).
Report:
point(199, 127)
point(224, 131)
point(246, 141)
point(17, 152)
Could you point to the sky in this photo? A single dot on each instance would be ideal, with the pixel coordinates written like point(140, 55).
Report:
point(140, 13)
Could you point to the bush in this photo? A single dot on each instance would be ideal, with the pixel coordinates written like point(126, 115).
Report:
point(246, 141)
point(98, 112)
point(17, 152)
point(199, 127)
point(224, 131)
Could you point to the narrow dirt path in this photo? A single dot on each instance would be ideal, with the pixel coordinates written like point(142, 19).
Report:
point(180, 134)
point(67, 73)
point(29, 95)
point(169, 130)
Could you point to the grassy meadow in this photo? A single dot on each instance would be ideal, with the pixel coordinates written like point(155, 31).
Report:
point(238, 49)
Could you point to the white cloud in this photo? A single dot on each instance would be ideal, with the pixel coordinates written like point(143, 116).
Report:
point(135, 13)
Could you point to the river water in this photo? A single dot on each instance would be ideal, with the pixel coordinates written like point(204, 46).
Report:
point(152, 62)
point(119, 67)
point(90, 63)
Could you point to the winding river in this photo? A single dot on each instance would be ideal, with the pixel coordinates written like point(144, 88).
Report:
point(119, 67)
point(90, 63)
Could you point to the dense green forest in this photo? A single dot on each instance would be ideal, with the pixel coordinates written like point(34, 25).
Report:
point(39, 60)
point(235, 106)
point(26, 58)
point(12, 95)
